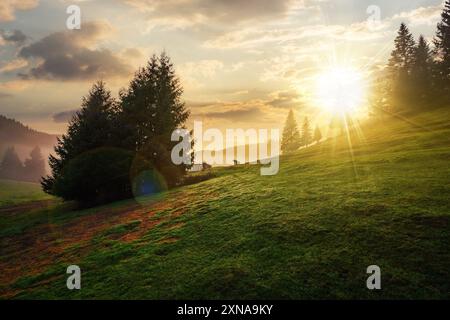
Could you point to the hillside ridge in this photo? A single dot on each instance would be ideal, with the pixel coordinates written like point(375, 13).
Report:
point(14, 132)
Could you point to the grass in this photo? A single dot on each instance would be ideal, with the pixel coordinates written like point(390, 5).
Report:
point(309, 232)
point(13, 192)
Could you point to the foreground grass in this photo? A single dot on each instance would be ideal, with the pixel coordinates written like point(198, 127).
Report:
point(307, 233)
point(14, 192)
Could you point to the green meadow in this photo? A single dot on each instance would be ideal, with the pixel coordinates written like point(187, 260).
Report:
point(377, 197)
point(13, 192)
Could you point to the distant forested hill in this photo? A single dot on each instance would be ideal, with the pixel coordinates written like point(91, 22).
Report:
point(13, 132)
point(24, 139)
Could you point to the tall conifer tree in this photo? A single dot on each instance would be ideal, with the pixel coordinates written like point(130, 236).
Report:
point(422, 74)
point(317, 134)
point(400, 68)
point(402, 57)
point(91, 128)
point(151, 109)
point(291, 135)
point(34, 166)
point(306, 133)
point(11, 167)
point(442, 48)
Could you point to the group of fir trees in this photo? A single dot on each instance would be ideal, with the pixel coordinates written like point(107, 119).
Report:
point(293, 138)
point(418, 74)
point(117, 148)
point(31, 170)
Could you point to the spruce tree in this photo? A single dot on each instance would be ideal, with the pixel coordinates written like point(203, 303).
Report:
point(442, 48)
point(74, 176)
point(400, 68)
point(90, 128)
point(317, 134)
point(306, 133)
point(422, 73)
point(422, 57)
point(291, 135)
point(11, 167)
point(151, 109)
point(34, 166)
point(402, 57)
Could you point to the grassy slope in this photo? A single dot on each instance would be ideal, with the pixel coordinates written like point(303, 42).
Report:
point(308, 232)
point(13, 192)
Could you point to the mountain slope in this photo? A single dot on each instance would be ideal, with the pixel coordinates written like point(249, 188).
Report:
point(309, 232)
point(13, 132)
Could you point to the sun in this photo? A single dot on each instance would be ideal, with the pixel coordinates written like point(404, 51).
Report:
point(340, 90)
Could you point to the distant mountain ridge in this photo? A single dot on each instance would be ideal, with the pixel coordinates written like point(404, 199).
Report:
point(13, 132)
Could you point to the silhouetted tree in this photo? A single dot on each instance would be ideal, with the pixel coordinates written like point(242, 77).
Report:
point(402, 57)
point(422, 59)
point(291, 136)
point(306, 133)
point(96, 176)
point(90, 129)
point(34, 168)
point(400, 67)
point(442, 49)
point(151, 109)
point(422, 74)
point(114, 150)
point(11, 167)
point(317, 134)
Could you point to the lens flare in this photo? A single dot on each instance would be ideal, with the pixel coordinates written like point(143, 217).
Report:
point(147, 183)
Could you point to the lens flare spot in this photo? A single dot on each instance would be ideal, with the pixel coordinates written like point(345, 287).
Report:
point(147, 183)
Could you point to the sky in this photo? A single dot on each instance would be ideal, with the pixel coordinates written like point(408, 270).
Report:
point(243, 64)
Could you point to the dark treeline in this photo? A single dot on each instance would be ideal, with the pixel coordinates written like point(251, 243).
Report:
point(418, 73)
point(31, 170)
point(117, 148)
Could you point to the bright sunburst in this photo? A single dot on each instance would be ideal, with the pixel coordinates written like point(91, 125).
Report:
point(340, 90)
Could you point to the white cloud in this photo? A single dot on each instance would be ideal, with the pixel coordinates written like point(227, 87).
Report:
point(421, 16)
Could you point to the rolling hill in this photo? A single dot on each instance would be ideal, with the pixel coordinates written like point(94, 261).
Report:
point(24, 139)
point(309, 232)
point(13, 132)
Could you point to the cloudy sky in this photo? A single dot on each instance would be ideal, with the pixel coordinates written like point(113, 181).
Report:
point(243, 63)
